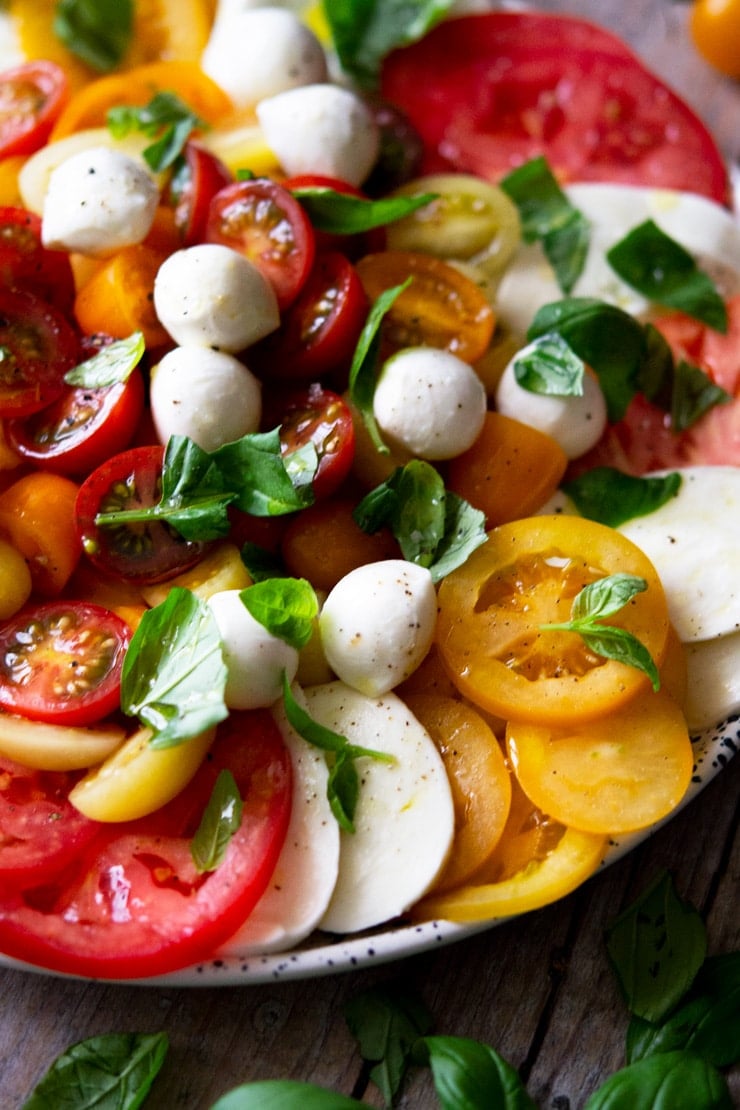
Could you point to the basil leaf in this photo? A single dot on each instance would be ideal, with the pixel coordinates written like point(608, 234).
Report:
point(110, 365)
point(284, 1094)
point(469, 1075)
point(669, 1081)
point(547, 214)
point(387, 1022)
point(344, 214)
point(165, 117)
point(364, 31)
point(260, 563)
point(253, 467)
point(611, 497)
point(606, 596)
point(174, 676)
point(661, 269)
point(221, 818)
point(363, 371)
point(548, 366)
point(98, 32)
point(694, 393)
point(621, 646)
point(656, 371)
point(194, 500)
point(286, 607)
point(656, 948)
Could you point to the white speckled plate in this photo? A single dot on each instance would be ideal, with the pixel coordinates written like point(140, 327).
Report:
point(325, 955)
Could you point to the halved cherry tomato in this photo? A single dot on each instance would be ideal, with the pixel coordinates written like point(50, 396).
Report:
point(441, 307)
point(319, 331)
point(26, 264)
point(118, 297)
point(526, 575)
point(38, 346)
point(82, 428)
point(61, 662)
point(40, 831)
point(133, 903)
point(32, 95)
point(319, 416)
point(37, 515)
point(488, 92)
point(140, 553)
point(265, 223)
point(193, 189)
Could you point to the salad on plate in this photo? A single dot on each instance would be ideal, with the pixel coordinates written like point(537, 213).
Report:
point(368, 407)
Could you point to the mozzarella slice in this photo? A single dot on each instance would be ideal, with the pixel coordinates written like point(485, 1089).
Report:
point(713, 689)
point(306, 872)
point(693, 541)
point(707, 230)
point(404, 822)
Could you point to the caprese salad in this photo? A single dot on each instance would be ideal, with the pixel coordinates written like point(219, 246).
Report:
point(368, 398)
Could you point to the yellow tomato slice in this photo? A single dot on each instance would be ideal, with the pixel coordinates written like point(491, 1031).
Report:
point(479, 779)
point(138, 779)
point(492, 609)
point(47, 747)
point(615, 775)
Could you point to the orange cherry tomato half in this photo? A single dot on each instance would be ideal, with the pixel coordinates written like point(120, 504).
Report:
point(37, 515)
point(714, 26)
point(526, 575)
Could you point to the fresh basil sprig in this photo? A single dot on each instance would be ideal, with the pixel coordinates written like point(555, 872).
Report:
point(612, 497)
point(387, 1022)
point(98, 32)
point(550, 367)
point(221, 818)
point(343, 214)
point(110, 365)
point(363, 371)
point(165, 118)
point(434, 527)
point(601, 599)
point(286, 607)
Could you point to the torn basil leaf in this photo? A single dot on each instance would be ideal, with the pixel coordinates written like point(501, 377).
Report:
point(221, 818)
point(344, 214)
point(550, 367)
point(110, 365)
point(611, 497)
point(98, 32)
point(286, 607)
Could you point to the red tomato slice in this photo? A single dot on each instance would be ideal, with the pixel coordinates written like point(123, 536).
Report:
point(38, 348)
point(141, 553)
point(267, 224)
point(26, 264)
point(61, 662)
point(40, 831)
point(203, 176)
point(32, 96)
point(489, 92)
point(134, 904)
point(319, 416)
point(82, 428)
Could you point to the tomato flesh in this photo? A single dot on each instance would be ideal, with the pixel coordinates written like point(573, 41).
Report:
point(31, 97)
point(37, 348)
point(26, 264)
point(321, 417)
point(204, 176)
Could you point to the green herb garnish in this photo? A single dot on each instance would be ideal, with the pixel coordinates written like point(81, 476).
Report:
point(611, 497)
point(286, 607)
point(343, 214)
point(363, 371)
point(110, 365)
point(98, 32)
point(221, 818)
point(166, 119)
point(550, 367)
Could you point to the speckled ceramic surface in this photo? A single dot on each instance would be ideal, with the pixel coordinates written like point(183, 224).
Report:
point(325, 955)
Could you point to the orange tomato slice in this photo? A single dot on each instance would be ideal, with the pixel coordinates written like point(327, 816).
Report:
point(37, 515)
point(526, 575)
point(118, 298)
point(615, 775)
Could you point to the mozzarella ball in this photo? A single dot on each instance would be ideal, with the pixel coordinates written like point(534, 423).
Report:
point(322, 129)
point(577, 423)
point(259, 52)
point(207, 395)
point(98, 201)
point(429, 402)
point(212, 296)
point(377, 624)
point(255, 659)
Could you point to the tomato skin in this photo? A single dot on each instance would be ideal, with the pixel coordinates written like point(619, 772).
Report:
point(82, 428)
point(32, 96)
point(205, 175)
point(320, 416)
point(265, 222)
point(40, 347)
point(61, 662)
point(140, 554)
point(714, 26)
point(26, 264)
point(133, 905)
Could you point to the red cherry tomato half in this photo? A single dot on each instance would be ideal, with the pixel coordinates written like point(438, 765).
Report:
point(61, 662)
point(193, 190)
point(319, 331)
point(489, 92)
point(134, 904)
point(40, 831)
point(82, 428)
point(141, 553)
point(319, 416)
point(26, 264)
point(267, 224)
point(32, 96)
point(37, 348)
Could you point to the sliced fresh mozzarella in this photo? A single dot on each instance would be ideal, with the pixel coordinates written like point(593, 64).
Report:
point(377, 624)
point(707, 230)
point(212, 296)
point(98, 201)
point(713, 690)
point(321, 129)
point(306, 872)
point(429, 402)
point(207, 395)
point(404, 822)
point(693, 541)
point(255, 659)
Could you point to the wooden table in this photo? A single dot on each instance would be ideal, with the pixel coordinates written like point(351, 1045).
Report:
point(538, 989)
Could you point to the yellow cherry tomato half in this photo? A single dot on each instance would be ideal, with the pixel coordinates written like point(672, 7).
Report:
point(47, 747)
point(714, 26)
point(615, 775)
point(526, 575)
